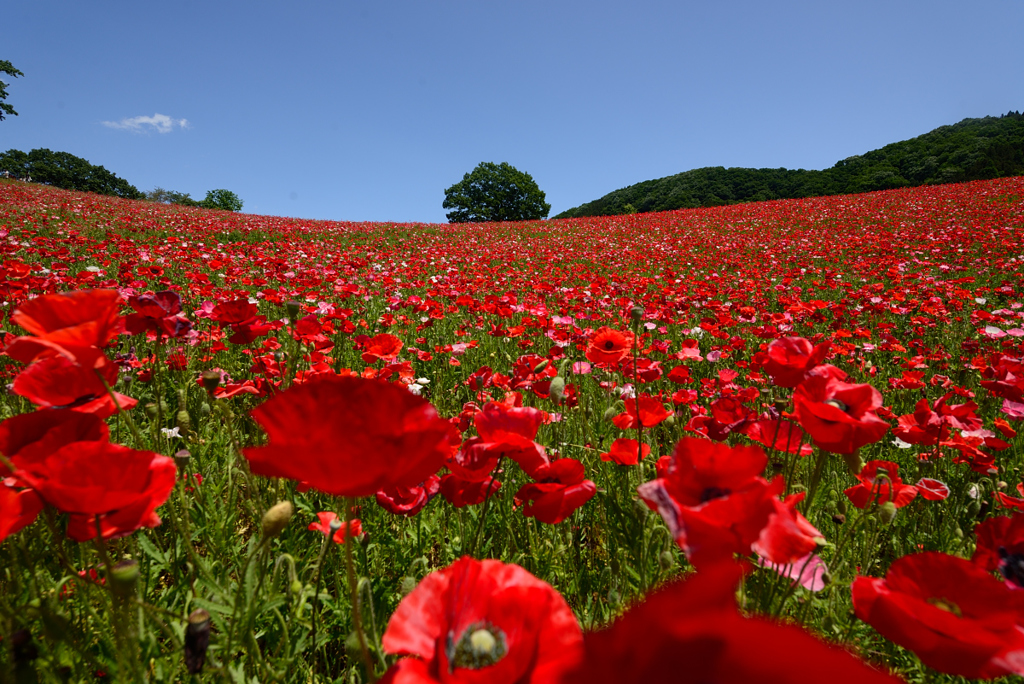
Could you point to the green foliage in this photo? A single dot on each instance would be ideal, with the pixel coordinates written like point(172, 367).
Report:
point(162, 196)
point(64, 170)
point(495, 192)
point(7, 68)
point(974, 149)
point(215, 199)
point(222, 199)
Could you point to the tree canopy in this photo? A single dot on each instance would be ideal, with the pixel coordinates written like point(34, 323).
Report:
point(495, 192)
point(64, 170)
point(7, 68)
point(215, 199)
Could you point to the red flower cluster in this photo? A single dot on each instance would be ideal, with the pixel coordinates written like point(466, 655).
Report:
point(715, 503)
point(64, 459)
point(68, 368)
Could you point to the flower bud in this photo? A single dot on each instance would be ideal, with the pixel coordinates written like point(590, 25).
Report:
point(276, 518)
point(197, 639)
point(557, 389)
point(854, 461)
point(293, 308)
point(666, 560)
point(636, 314)
point(541, 366)
point(295, 587)
point(886, 512)
point(408, 584)
point(204, 409)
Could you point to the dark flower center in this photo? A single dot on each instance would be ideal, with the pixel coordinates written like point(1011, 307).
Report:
point(609, 345)
point(838, 404)
point(946, 605)
point(1011, 566)
point(713, 493)
point(481, 645)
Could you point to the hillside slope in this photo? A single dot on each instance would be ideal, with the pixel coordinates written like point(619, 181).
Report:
point(974, 149)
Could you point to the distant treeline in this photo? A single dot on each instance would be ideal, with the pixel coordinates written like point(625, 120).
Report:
point(974, 149)
point(65, 170)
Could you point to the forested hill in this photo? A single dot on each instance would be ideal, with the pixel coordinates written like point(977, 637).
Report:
point(974, 149)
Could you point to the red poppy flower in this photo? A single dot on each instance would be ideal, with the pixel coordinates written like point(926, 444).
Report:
point(1001, 547)
point(460, 493)
point(160, 312)
point(691, 631)
point(122, 486)
point(18, 509)
point(924, 426)
point(515, 425)
point(713, 499)
point(790, 359)
point(235, 312)
point(560, 489)
point(31, 437)
point(626, 452)
point(874, 487)
point(788, 537)
point(1012, 502)
point(409, 501)
point(482, 621)
point(608, 346)
point(932, 490)
point(323, 526)
point(59, 382)
point(643, 410)
point(840, 417)
point(951, 613)
point(349, 436)
point(383, 346)
point(67, 323)
point(788, 436)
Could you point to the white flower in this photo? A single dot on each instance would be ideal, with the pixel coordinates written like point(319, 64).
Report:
point(171, 432)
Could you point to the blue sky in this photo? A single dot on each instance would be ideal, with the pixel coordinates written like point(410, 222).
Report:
point(367, 111)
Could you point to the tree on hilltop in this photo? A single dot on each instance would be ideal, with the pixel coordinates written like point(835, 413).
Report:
point(495, 192)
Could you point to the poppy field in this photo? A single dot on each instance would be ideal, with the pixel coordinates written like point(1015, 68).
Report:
point(764, 442)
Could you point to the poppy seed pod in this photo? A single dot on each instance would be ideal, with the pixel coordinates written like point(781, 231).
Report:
point(197, 639)
point(123, 577)
point(292, 307)
point(276, 518)
point(211, 380)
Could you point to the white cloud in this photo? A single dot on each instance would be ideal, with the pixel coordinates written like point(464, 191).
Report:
point(161, 123)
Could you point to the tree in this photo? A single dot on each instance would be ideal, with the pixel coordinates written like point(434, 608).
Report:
point(222, 199)
point(495, 192)
point(7, 68)
point(162, 196)
point(64, 170)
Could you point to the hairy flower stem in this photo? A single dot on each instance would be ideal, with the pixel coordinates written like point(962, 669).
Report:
point(812, 489)
point(127, 417)
point(483, 513)
point(353, 587)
